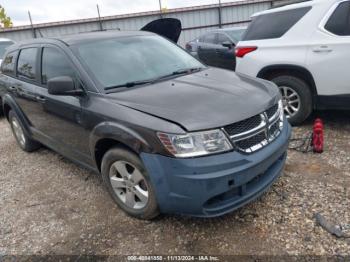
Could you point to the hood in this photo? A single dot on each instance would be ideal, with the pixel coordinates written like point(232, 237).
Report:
point(167, 27)
point(208, 99)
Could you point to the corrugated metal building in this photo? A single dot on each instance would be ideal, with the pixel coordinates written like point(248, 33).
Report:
point(195, 20)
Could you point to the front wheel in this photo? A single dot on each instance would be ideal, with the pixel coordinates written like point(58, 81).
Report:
point(296, 98)
point(128, 183)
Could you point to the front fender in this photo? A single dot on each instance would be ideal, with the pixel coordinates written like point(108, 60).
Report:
point(121, 134)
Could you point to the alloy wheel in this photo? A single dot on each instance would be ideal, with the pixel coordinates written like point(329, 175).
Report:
point(291, 101)
point(129, 184)
point(18, 131)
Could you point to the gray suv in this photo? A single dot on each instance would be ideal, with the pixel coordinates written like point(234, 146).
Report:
point(166, 133)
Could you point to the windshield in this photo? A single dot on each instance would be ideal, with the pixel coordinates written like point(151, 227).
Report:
point(3, 46)
point(236, 34)
point(121, 60)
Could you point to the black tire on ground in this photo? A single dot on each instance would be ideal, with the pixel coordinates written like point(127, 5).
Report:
point(304, 92)
point(150, 210)
point(1, 109)
point(27, 144)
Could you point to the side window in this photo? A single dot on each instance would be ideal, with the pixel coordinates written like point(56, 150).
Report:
point(223, 38)
point(210, 38)
point(26, 66)
point(9, 63)
point(274, 25)
point(339, 22)
point(54, 64)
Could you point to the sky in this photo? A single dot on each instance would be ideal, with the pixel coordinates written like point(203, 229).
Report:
point(43, 11)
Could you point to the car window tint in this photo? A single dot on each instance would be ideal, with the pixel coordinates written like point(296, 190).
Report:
point(223, 38)
point(54, 64)
point(339, 22)
point(9, 63)
point(274, 25)
point(209, 38)
point(27, 63)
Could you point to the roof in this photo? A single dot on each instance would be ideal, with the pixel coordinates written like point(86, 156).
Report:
point(295, 6)
point(81, 38)
point(87, 37)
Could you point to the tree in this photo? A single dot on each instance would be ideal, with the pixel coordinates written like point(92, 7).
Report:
point(5, 21)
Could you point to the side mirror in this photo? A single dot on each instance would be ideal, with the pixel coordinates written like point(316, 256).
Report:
point(63, 86)
point(228, 44)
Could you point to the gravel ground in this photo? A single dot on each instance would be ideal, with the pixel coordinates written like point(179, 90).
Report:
point(49, 205)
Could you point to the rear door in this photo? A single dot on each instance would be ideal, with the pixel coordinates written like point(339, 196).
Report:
point(329, 55)
point(207, 49)
point(22, 86)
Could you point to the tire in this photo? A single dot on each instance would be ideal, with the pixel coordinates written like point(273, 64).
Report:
point(24, 141)
point(289, 84)
point(119, 163)
point(1, 109)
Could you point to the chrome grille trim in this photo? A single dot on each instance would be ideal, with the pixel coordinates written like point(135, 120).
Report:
point(266, 126)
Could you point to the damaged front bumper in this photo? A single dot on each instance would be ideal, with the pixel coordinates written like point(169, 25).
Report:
point(215, 185)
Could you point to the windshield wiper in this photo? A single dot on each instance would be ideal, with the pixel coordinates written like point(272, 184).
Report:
point(129, 84)
point(182, 72)
point(186, 71)
point(143, 82)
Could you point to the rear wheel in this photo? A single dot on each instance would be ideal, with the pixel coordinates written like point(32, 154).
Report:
point(296, 97)
point(24, 141)
point(128, 183)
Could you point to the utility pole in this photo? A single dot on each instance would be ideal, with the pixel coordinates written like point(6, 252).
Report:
point(220, 19)
point(160, 9)
point(99, 18)
point(31, 23)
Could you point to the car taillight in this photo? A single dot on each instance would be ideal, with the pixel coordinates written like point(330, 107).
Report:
point(188, 47)
point(242, 51)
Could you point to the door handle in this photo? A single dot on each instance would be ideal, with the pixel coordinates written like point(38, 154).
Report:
point(322, 49)
point(12, 88)
point(40, 99)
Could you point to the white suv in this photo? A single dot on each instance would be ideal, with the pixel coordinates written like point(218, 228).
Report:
point(305, 49)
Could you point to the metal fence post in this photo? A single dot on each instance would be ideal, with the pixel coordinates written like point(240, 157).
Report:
point(99, 18)
point(219, 10)
point(31, 24)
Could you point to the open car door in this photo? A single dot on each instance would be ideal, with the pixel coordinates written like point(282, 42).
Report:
point(167, 27)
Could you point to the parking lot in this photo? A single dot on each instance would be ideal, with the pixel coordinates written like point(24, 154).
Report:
point(51, 206)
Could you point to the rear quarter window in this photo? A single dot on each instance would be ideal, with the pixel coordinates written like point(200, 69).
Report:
point(26, 66)
point(9, 63)
point(274, 25)
point(339, 22)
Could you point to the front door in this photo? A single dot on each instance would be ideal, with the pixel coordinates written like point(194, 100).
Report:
point(58, 118)
point(225, 55)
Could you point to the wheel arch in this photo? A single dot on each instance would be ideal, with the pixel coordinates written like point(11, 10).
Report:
point(108, 135)
point(10, 104)
point(272, 71)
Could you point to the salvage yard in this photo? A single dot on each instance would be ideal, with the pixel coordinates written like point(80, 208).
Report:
point(48, 205)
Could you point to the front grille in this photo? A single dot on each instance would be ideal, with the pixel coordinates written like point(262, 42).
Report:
point(243, 126)
point(245, 144)
point(272, 111)
point(254, 133)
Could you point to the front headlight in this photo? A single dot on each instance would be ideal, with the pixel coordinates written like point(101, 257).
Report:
point(195, 144)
